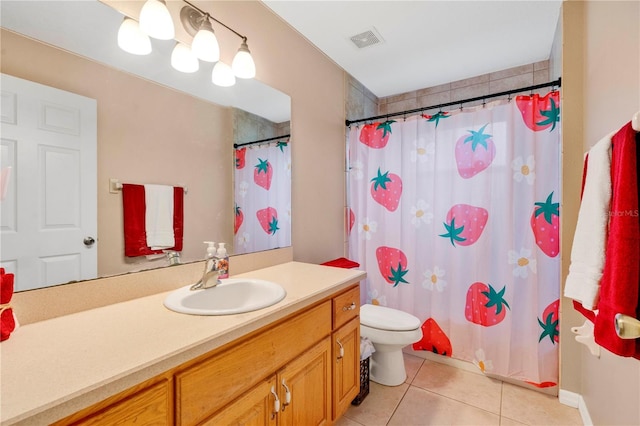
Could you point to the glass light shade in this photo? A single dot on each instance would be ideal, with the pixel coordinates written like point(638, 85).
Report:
point(243, 65)
point(183, 59)
point(132, 39)
point(156, 21)
point(222, 75)
point(205, 44)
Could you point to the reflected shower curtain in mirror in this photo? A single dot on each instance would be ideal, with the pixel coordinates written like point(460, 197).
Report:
point(262, 208)
point(455, 217)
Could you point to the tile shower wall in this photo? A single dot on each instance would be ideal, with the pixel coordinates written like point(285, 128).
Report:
point(249, 127)
point(361, 103)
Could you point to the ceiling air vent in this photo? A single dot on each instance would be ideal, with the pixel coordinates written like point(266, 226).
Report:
point(367, 38)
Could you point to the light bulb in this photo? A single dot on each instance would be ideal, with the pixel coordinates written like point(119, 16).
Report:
point(222, 75)
point(132, 39)
point(183, 59)
point(243, 65)
point(205, 44)
point(156, 21)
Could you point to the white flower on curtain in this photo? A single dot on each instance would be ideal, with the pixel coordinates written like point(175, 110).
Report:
point(421, 213)
point(481, 362)
point(476, 209)
point(433, 279)
point(423, 152)
point(524, 170)
point(523, 262)
point(367, 228)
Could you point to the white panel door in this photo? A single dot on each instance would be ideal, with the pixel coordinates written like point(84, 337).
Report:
point(49, 211)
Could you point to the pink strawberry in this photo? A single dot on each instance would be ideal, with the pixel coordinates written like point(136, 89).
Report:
point(376, 135)
point(392, 264)
point(240, 157)
point(465, 224)
point(433, 339)
point(268, 219)
point(239, 218)
point(545, 223)
point(484, 305)
point(474, 153)
point(386, 190)
point(263, 173)
point(351, 219)
point(550, 322)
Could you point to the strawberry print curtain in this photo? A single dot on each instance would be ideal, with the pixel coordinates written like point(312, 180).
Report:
point(455, 217)
point(262, 208)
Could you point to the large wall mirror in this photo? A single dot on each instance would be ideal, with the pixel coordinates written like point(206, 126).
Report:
point(154, 125)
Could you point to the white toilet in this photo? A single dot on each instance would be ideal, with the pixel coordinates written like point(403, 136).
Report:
point(389, 330)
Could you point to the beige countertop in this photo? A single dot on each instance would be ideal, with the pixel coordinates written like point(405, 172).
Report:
point(53, 368)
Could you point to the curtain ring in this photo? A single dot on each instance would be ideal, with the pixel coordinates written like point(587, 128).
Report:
point(509, 98)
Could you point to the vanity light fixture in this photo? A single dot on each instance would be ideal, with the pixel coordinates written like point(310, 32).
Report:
point(183, 59)
point(222, 75)
point(205, 44)
point(132, 39)
point(156, 21)
point(243, 65)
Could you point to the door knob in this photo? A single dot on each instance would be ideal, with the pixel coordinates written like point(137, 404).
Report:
point(88, 241)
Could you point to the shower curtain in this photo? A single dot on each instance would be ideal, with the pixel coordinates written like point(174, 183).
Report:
point(262, 208)
point(455, 217)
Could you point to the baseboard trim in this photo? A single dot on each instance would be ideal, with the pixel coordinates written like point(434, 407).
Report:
point(576, 400)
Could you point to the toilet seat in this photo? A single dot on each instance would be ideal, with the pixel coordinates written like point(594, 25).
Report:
point(383, 318)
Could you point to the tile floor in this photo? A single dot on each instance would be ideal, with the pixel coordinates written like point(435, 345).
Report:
point(437, 394)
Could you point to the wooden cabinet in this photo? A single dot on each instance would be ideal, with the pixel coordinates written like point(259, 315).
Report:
point(147, 404)
point(301, 370)
point(346, 350)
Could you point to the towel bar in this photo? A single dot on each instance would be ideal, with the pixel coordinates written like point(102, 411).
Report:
point(115, 186)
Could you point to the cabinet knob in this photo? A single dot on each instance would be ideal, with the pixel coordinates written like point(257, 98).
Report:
point(350, 307)
point(341, 353)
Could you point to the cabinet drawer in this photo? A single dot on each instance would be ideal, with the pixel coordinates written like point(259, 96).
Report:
point(346, 306)
point(205, 388)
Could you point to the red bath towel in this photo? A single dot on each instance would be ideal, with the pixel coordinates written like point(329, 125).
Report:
point(7, 321)
point(133, 203)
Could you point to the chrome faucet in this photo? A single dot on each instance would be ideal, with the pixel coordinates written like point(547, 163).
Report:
point(210, 276)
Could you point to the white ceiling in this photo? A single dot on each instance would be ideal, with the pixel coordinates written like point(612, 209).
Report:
point(426, 43)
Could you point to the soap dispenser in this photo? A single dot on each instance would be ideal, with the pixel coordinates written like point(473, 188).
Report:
point(210, 257)
point(223, 261)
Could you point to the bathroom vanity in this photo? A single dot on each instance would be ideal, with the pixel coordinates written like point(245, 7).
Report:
point(296, 362)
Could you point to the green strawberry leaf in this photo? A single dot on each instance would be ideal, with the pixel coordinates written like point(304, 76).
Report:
point(548, 209)
point(453, 233)
point(495, 299)
point(282, 145)
point(381, 180)
point(386, 127)
point(262, 166)
point(478, 138)
point(552, 115)
point(437, 116)
point(273, 226)
point(549, 328)
point(397, 275)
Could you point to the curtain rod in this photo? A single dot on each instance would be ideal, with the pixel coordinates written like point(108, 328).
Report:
point(478, 98)
point(238, 145)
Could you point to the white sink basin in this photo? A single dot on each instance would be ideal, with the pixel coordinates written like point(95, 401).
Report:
point(232, 296)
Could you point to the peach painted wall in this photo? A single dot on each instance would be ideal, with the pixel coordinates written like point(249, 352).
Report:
point(601, 80)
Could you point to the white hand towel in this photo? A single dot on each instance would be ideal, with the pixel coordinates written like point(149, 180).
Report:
point(159, 216)
point(589, 241)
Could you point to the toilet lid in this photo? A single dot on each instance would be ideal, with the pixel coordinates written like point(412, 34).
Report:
point(384, 318)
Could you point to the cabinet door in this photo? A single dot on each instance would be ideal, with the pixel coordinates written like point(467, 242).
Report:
point(346, 366)
point(307, 381)
point(256, 407)
point(151, 406)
